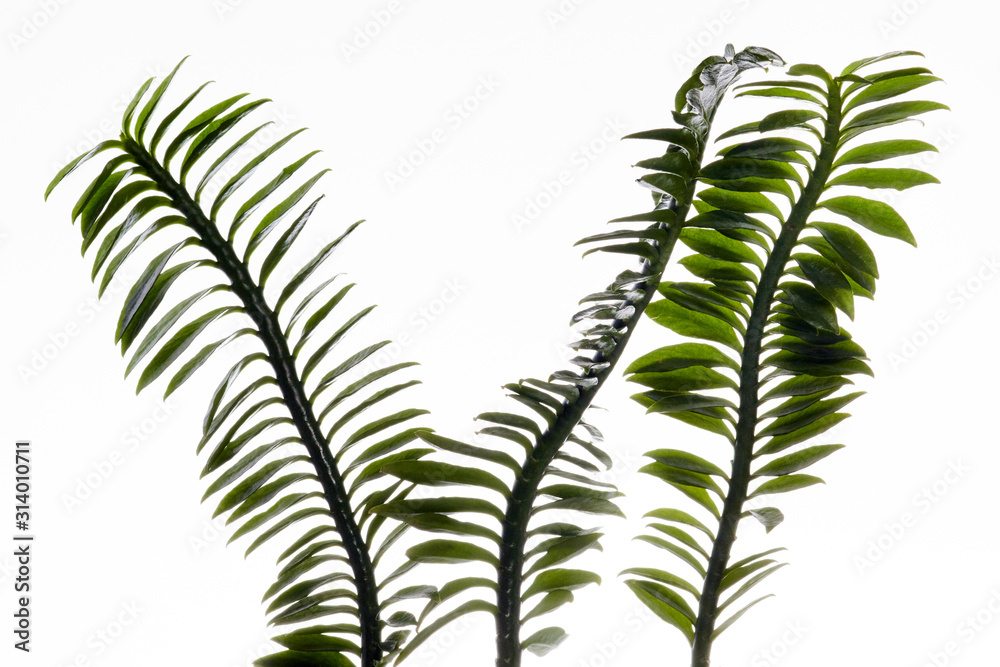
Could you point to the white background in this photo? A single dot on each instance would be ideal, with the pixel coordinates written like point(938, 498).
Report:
point(563, 80)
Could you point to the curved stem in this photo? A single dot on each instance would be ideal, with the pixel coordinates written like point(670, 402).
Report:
point(750, 379)
point(525, 490)
point(292, 390)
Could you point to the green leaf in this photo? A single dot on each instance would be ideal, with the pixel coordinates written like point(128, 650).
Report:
point(780, 442)
point(130, 109)
point(468, 607)
point(315, 641)
point(671, 184)
point(681, 536)
point(400, 509)
point(785, 484)
point(883, 150)
point(560, 579)
point(886, 88)
point(803, 418)
point(724, 220)
point(735, 617)
point(248, 486)
point(143, 286)
point(285, 242)
point(688, 323)
point(674, 163)
point(731, 168)
point(686, 461)
point(670, 403)
point(544, 641)
point(680, 356)
point(549, 603)
point(683, 477)
point(769, 517)
point(886, 114)
point(740, 202)
point(199, 359)
point(176, 346)
point(666, 604)
point(674, 135)
point(560, 550)
point(304, 659)
point(196, 125)
point(828, 280)
point(714, 244)
point(796, 461)
point(783, 92)
point(780, 120)
point(435, 473)
point(696, 378)
point(804, 385)
point(449, 552)
point(820, 367)
point(679, 516)
point(877, 216)
point(717, 271)
point(582, 504)
point(810, 70)
point(849, 245)
point(811, 306)
point(212, 133)
point(897, 179)
point(767, 148)
point(664, 577)
point(865, 62)
point(80, 160)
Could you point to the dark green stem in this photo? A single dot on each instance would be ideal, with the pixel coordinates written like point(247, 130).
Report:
point(525, 490)
point(750, 378)
point(292, 390)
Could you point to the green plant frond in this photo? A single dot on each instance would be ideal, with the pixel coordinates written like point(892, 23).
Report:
point(778, 255)
point(544, 460)
point(297, 433)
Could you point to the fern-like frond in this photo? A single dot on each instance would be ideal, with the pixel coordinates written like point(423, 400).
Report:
point(288, 445)
point(776, 253)
point(544, 458)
